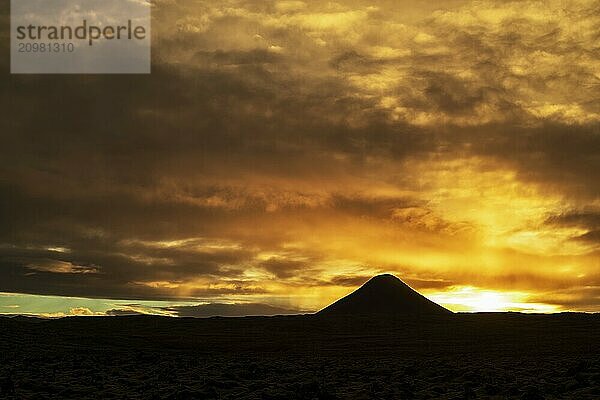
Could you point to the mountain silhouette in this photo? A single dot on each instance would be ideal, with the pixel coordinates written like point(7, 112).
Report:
point(384, 295)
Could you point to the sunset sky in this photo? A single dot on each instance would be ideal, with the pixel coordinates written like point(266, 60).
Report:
point(283, 152)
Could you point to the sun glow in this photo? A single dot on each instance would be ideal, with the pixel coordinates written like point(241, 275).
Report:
point(473, 299)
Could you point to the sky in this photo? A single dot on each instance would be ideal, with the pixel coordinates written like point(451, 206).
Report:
point(282, 152)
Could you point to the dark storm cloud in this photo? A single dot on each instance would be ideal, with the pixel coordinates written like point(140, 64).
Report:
point(588, 220)
point(121, 270)
point(283, 268)
point(562, 157)
point(20, 278)
point(585, 219)
point(591, 236)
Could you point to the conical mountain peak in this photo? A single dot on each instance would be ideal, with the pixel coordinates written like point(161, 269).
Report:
point(384, 279)
point(384, 295)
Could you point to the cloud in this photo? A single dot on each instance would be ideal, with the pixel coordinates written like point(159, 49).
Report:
point(585, 219)
point(351, 281)
point(278, 146)
point(81, 311)
point(61, 267)
point(588, 222)
point(284, 268)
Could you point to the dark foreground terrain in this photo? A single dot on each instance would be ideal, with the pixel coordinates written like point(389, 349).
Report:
point(302, 357)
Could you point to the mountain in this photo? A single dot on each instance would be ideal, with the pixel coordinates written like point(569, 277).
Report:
point(384, 295)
